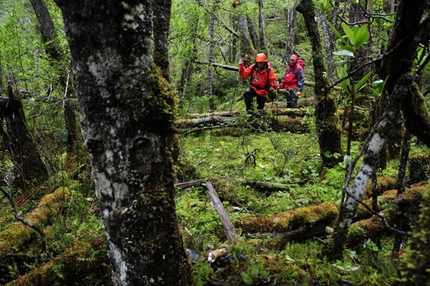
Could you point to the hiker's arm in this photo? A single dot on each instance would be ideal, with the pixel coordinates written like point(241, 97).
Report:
point(273, 80)
point(301, 79)
point(244, 72)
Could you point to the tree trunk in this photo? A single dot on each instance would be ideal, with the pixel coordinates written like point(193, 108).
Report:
point(127, 114)
point(211, 52)
point(30, 170)
point(328, 131)
point(261, 27)
point(355, 193)
point(52, 48)
point(247, 50)
point(161, 23)
point(328, 46)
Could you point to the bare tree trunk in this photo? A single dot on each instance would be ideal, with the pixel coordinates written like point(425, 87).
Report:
point(328, 131)
point(211, 54)
point(291, 16)
point(247, 49)
point(53, 49)
point(328, 46)
point(261, 27)
point(127, 116)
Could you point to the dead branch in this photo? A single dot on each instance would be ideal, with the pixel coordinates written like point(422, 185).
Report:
point(228, 225)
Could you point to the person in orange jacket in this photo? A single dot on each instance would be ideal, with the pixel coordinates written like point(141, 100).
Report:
point(262, 78)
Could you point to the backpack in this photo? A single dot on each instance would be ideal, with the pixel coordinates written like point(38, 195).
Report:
point(302, 64)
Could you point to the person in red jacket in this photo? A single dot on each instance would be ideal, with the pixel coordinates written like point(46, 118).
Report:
point(293, 81)
point(262, 78)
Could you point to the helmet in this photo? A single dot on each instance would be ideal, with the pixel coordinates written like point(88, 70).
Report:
point(294, 57)
point(260, 58)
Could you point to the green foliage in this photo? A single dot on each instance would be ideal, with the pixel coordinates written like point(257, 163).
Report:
point(415, 267)
point(256, 272)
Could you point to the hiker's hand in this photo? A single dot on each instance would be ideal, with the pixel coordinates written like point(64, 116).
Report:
point(276, 84)
point(298, 93)
point(240, 61)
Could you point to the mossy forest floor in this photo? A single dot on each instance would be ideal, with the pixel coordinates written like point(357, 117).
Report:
point(226, 156)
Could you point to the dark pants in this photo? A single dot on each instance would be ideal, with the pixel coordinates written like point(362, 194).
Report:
point(249, 96)
point(291, 98)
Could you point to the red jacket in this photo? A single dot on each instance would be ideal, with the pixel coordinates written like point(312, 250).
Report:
point(293, 78)
point(261, 79)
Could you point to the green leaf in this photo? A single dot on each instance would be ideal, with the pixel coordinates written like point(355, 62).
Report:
point(349, 33)
point(361, 36)
point(344, 53)
point(362, 82)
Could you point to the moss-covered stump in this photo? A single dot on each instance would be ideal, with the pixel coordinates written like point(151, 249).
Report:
point(84, 264)
point(18, 236)
point(415, 260)
point(419, 168)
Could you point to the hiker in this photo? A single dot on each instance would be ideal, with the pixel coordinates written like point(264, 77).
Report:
point(293, 81)
point(262, 78)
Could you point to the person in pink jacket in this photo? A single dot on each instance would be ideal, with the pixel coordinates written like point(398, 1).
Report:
point(262, 78)
point(293, 81)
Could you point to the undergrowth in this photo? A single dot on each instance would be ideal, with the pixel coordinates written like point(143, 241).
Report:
point(266, 258)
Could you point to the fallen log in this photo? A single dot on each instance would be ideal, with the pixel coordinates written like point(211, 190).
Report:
point(277, 108)
point(19, 235)
point(402, 208)
point(265, 186)
point(287, 124)
point(307, 222)
point(86, 259)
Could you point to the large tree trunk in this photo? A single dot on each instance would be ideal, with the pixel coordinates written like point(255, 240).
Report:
point(127, 114)
point(328, 131)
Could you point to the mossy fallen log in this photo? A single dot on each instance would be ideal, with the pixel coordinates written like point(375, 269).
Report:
point(20, 235)
point(85, 263)
point(307, 222)
point(403, 208)
point(310, 221)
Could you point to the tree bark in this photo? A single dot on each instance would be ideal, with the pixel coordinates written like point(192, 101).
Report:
point(161, 23)
point(127, 114)
point(328, 131)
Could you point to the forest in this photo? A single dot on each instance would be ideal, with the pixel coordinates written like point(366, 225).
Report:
point(128, 156)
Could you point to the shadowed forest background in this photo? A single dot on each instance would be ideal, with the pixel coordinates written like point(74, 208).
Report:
point(116, 155)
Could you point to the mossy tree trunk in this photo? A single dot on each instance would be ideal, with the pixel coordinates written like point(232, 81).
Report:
point(161, 23)
point(127, 114)
point(328, 130)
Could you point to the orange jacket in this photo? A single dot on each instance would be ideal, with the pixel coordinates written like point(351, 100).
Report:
point(260, 79)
